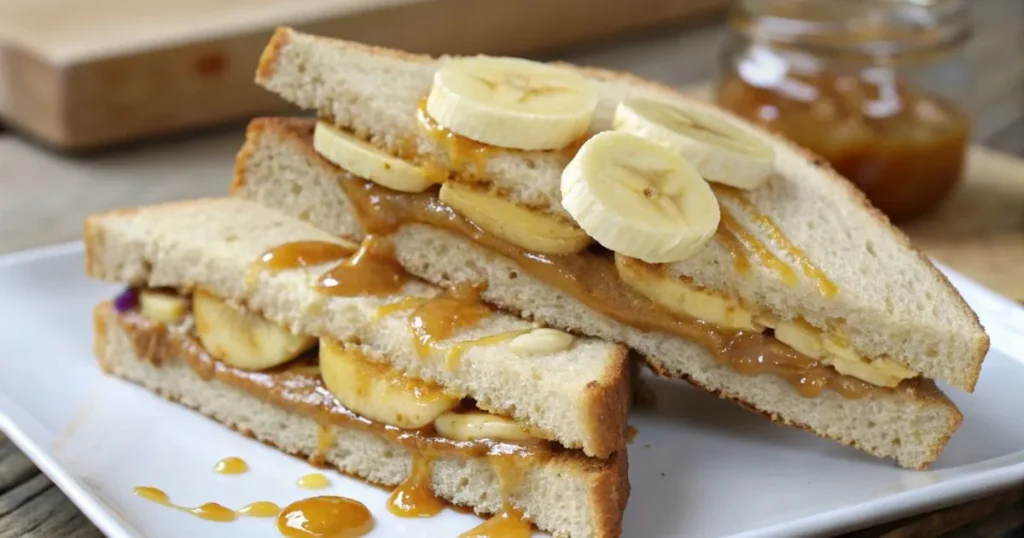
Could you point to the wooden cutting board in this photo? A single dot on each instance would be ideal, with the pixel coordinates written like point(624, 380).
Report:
point(80, 74)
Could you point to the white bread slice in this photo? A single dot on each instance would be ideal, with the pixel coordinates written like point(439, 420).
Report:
point(578, 397)
point(911, 424)
point(568, 495)
point(891, 303)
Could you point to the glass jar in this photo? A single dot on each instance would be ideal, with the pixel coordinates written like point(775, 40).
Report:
point(876, 87)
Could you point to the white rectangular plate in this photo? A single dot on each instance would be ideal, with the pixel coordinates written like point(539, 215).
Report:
point(699, 466)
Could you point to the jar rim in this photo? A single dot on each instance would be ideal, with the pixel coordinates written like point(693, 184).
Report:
point(871, 27)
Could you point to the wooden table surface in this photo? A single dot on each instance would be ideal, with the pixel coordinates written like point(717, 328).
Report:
point(44, 198)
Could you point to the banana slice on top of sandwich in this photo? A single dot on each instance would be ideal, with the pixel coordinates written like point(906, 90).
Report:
point(720, 151)
point(638, 198)
point(511, 102)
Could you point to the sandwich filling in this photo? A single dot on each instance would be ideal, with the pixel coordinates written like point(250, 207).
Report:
point(336, 385)
point(639, 294)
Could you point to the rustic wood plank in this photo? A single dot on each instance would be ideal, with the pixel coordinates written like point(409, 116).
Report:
point(37, 509)
point(15, 468)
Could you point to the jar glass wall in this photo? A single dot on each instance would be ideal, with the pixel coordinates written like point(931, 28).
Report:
point(876, 87)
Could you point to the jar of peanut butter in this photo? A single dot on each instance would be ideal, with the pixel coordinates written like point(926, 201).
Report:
point(877, 87)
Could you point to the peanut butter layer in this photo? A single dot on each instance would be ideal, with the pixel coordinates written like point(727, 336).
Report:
point(297, 387)
point(591, 278)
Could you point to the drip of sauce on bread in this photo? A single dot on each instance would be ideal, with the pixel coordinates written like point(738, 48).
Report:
point(414, 497)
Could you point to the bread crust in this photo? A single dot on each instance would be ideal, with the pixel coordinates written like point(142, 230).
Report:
point(966, 377)
point(608, 479)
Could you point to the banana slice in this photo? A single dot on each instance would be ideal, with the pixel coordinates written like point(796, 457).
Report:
point(810, 341)
point(243, 339)
point(379, 392)
point(682, 298)
point(478, 425)
point(639, 199)
point(721, 152)
point(522, 227)
point(512, 103)
point(366, 161)
point(161, 307)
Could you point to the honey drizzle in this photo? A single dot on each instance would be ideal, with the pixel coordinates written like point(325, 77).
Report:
point(325, 517)
point(826, 287)
point(324, 441)
point(208, 511)
point(298, 254)
point(439, 318)
point(231, 465)
point(414, 497)
point(397, 306)
point(510, 522)
point(592, 279)
point(461, 151)
point(460, 348)
point(313, 481)
point(752, 245)
point(372, 270)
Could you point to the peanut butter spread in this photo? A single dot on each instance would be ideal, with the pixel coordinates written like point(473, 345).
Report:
point(297, 388)
point(591, 278)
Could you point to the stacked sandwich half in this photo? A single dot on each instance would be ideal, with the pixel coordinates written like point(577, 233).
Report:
point(557, 217)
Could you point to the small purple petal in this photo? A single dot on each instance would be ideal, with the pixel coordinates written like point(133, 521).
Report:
point(126, 300)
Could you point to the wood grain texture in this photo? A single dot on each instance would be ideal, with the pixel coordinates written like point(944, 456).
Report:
point(44, 197)
point(85, 75)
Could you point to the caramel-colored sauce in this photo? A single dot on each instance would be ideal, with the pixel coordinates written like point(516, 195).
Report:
point(313, 481)
point(293, 387)
point(406, 303)
point(631, 432)
point(826, 287)
point(509, 523)
point(462, 152)
point(208, 511)
point(752, 245)
point(753, 355)
point(324, 442)
point(372, 270)
point(231, 465)
point(440, 317)
point(325, 517)
point(299, 254)
point(460, 348)
point(591, 278)
point(414, 497)
point(260, 509)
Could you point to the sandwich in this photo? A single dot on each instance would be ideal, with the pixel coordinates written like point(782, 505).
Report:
point(327, 349)
point(613, 207)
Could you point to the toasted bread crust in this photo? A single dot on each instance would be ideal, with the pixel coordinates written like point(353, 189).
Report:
point(608, 479)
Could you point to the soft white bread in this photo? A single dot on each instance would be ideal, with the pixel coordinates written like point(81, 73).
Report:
point(568, 495)
point(577, 397)
point(911, 424)
point(891, 303)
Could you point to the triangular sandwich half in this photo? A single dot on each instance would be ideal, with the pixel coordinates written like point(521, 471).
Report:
point(327, 349)
point(804, 303)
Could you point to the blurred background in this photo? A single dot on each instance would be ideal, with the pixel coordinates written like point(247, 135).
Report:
point(920, 103)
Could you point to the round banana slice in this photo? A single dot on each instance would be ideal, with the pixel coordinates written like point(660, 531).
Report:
point(524, 228)
point(512, 103)
point(721, 152)
point(639, 199)
point(366, 161)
